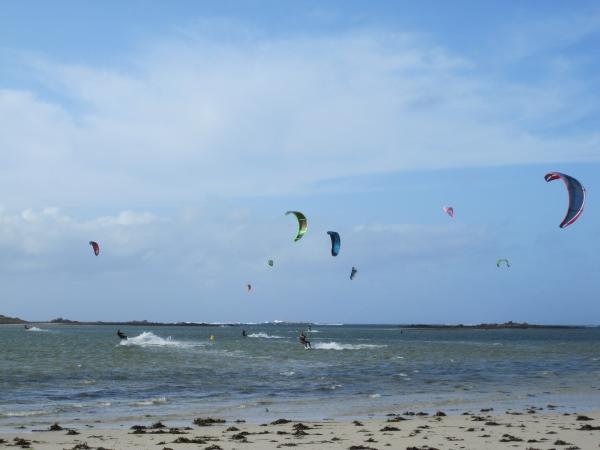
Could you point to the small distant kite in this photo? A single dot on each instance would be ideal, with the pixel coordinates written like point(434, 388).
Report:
point(96, 247)
point(576, 196)
point(335, 242)
point(270, 263)
point(353, 273)
point(449, 210)
point(302, 224)
point(249, 287)
point(501, 261)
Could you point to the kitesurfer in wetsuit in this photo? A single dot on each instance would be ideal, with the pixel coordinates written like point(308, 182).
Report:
point(121, 334)
point(26, 327)
point(244, 333)
point(303, 340)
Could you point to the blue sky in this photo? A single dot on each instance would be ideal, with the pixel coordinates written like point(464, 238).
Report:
point(177, 134)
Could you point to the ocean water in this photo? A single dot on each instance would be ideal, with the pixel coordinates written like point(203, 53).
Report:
point(81, 374)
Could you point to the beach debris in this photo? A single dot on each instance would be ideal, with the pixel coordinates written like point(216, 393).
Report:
point(232, 429)
point(510, 438)
point(81, 446)
point(396, 419)
point(185, 440)
point(55, 427)
point(492, 423)
point(300, 426)
point(72, 433)
point(388, 428)
point(207, 422)
point(581, 417)
point(213, 447)
point(300, 433)
point(440, 414)
point(280, 422)
point(588, 427)
point(361, 447)
point(357, 423)
point(241, 437)
point(23, 443)
point(561, 442)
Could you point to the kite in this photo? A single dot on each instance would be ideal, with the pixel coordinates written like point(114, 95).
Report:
point(576, 197)
point(96, 247)
point(335, 242)
point(302, 224)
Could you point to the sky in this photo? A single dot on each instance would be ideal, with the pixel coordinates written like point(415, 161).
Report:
point(177, 134)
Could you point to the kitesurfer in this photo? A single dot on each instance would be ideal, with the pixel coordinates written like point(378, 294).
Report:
point(244, 334)
point(26, 327)
point(121, 334)
point(304, 341)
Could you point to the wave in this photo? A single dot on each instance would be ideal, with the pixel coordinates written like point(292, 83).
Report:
point(150, 402)
point(36, 329)
point(149, 339)
point(22, 413)
point(337, 346)
point(265, 336)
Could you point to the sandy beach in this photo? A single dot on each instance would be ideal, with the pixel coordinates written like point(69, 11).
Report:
point(527, 429)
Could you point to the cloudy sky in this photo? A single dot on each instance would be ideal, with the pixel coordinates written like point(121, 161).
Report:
point(177, 134)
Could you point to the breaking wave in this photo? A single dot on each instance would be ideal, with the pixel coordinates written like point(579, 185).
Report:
point(149, 339)
point(37, 329)
point(264, 336)
point(337, 346)
point(150, 402)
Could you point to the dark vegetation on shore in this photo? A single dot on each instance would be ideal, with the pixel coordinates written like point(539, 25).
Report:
point(146, 323)
point(5, 320)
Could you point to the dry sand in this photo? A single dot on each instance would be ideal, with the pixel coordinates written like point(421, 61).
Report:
point(533, 429)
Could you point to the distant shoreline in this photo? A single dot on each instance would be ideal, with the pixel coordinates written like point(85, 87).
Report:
point(483, 326)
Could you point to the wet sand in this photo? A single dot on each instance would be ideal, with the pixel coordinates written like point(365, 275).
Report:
point(486, 429)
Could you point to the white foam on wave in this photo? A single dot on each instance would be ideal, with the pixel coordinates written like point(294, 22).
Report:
point(265, 336)
point(337, 346)
point(22, 413)
point(289, 373)
point(150, 402)
point(149, 339)
point(36, 329)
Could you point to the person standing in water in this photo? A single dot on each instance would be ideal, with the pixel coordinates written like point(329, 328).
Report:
point(303, 340)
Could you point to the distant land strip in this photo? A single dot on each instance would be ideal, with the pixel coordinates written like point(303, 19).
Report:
point(482, 326)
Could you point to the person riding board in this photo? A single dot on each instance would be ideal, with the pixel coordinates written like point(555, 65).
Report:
point(303, 340)
point(244, 334)
point(121, 334)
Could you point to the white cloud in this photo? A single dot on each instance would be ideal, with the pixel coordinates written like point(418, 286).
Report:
point(197, 117)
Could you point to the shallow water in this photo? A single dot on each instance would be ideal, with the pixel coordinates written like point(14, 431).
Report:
point(69, 373)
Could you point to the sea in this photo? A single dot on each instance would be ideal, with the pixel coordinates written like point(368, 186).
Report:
point(78, 374)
